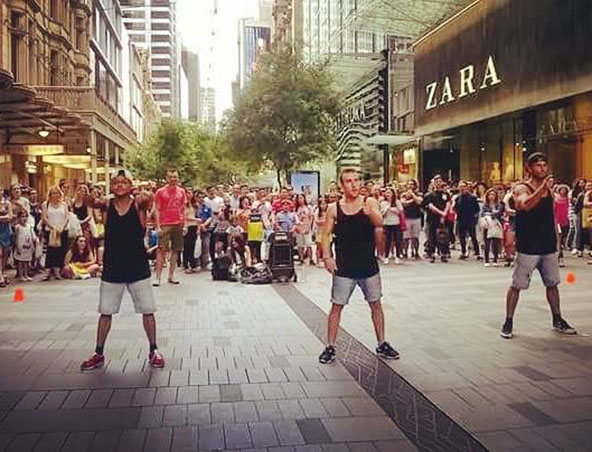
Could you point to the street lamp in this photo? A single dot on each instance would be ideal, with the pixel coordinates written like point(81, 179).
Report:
point(44, 133)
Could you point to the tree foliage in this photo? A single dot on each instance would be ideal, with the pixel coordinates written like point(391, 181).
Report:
point(200, 156)
point(285, 117)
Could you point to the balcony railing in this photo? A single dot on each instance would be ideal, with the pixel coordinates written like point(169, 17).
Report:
point(84, 100)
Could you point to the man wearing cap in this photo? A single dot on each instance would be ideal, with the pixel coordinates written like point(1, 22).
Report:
point(536, 243)
point(125, 265)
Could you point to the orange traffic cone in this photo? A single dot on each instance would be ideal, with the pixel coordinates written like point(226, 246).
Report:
point(571, 278)
point(19, 296)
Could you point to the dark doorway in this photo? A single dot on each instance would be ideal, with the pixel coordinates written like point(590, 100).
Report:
point(445, 162)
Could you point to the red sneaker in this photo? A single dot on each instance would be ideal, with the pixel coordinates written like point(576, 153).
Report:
point(156, 359)
point(95, 362)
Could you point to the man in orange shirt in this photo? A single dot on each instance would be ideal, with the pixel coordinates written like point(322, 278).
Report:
point(171, 224)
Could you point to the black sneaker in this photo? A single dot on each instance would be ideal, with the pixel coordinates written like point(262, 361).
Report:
point(463, 257)
point(328, 355)
point(506, 331)
point(563, 327)
point(386, 351)
point(432, 260)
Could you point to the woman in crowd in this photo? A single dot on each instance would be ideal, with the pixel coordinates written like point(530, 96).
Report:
point(303, 229)
point(492, 214)
point(240, 254)
point(189, 260)
point(25, 242)
point(576, 238)
point(412, 200)
point(510, 229)
point(583, 233)
point(562, 218)
point(320, 217)
point(55, 219)
point(392, 211)
point(83, 212)
point(97, 214)
point(587, 214)
point(242, 214)
point(5, 235)
point(80, 261)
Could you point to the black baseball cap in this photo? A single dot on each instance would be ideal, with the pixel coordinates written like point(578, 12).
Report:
point(535, 158)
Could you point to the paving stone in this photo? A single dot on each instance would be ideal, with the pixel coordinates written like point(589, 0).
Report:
point(131, 441)
point(263, 434)
point(313, 431)
point(221, 413)
point(237, 376)
point(272, 391)
point(143, 397)
point(105, 441)
point(198, 414)
point(198, 377)
point(211, 437)
point(78, 441)
point(533, 414)
point(313, 408)
point(268, 410)
point(251, 391)
point(231, 393)
point(188, 394)
point(529, 438)
point(99, 398)
point(245, 411)
point(362, 406)
point(23, 443)
point(330, 389)
point(290, 409)
point(179, 378)
point(400, 445)
point(294, 374)
point(499, 441)
point(49, 442)
point(175, 416)
point(158, 440)
point(151, 416)
point(185, 439)
point(275, 375)
point(362, 447)
point(256, 376)
point(30, 401)
point(165, 396)
point(335, 407)
point(361, 429)
point(209, 394)
point(121, 398)
point(288, 432)
point(237, 436)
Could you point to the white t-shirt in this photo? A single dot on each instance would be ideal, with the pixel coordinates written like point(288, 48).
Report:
point(216, 203)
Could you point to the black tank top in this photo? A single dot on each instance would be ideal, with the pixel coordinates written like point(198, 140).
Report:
point(535, 229)
point(125, 259)
point(80, 212)
point(354, 245)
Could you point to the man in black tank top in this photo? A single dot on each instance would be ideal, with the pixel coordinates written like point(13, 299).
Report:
point(356, 223)
point(125, 266)
point(536, 243)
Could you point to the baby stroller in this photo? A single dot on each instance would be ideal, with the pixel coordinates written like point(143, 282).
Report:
point(281, 257)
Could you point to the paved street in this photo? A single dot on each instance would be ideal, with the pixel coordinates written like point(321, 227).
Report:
point(242, 369)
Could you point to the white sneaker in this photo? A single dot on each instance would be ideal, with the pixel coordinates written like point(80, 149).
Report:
point(397, 261)
point(385, 261)
point(495, 264)
point(487, 264)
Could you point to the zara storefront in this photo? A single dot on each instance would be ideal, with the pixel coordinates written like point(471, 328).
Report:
point(500, 80)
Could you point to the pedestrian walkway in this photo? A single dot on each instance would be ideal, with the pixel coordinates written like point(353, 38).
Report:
point(533, 392)
point(241, 373)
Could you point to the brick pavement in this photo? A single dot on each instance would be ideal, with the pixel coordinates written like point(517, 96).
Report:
point(533, 392)
point(241, 373)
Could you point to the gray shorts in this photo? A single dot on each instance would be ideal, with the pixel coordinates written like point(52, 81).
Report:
point(413, 228)
point(526, 264)
point(343, 288)
point(141, 292)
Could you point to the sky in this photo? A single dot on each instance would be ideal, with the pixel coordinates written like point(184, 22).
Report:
point(218, 53)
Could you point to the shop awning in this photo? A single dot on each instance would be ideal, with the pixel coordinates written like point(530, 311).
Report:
point(24, 112)
point(391, 140)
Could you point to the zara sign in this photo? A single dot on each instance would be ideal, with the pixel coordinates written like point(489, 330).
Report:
point(443, 93)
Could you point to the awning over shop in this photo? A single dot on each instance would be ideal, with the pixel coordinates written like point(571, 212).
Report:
point(24, 112)
point(391, 140)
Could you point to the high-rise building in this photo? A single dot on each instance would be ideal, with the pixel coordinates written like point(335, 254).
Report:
point(208, 108)
point(190, 64)
point(254, 39)
point(153, 25)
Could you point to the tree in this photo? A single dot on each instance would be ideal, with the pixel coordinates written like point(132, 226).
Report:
point(285, 117)
point(199, 155)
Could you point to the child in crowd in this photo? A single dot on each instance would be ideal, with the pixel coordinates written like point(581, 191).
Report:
point(25, 244)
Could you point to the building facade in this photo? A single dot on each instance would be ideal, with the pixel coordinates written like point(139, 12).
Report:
point(61, 99)
point(490, 90)
point(208, 108)
point(254, 39)
point(152, 25)
point(190, 64)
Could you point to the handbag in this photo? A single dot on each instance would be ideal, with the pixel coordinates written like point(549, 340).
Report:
point(197, 247)
point(494, 229)
point(587, 218)
point(74, 228)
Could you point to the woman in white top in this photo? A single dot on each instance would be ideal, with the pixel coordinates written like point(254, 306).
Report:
point(55, 218)
point(392, 209)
